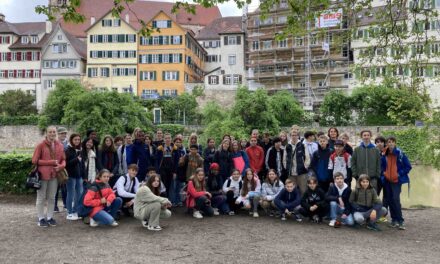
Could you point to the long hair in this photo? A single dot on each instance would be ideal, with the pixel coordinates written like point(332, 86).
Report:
point(105, 148)
point(336, 130)
point(198, 185)
point(74, 135)
point(155, 190)
point(276, 180)
point(253, 182)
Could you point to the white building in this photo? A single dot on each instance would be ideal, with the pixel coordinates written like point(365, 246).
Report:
point(64, 57)
point(224, 40)
point(20, 54)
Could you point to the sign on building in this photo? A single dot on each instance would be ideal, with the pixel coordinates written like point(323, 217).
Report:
point(329, 18)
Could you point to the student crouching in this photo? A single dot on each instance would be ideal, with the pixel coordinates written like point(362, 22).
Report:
point(338, 196)
point(232, 188)
point(126, 188)
point(198, 199)
point(214, 186)
point(313, 201)
point(250, 193)
point(104, 202)
point(270, 189)
point(288, 201)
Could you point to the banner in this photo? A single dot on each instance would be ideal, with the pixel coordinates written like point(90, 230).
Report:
point(329, 18)
point(325, 46)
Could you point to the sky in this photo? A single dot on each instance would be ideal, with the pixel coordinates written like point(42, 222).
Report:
point(24, 10)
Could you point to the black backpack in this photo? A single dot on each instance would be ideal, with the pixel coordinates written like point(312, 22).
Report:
point(83, 210)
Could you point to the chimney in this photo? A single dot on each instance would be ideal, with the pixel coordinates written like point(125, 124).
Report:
point(2, 18)
point(92, 20)
point(48, 27)
point(127, 18)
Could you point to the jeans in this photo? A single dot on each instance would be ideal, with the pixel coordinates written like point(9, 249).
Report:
point(336, 211)
point(108, 214)
point(204, 205)
point(230, 199)
point(360, 217)
point(282, 206)
point(46, 193)
point(392, 198)
point(174, 192)
point(219, 202)
point(74, 191)
point(63, 188)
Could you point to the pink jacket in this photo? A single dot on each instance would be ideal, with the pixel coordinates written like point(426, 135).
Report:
point(42, 158)
point(193, 194)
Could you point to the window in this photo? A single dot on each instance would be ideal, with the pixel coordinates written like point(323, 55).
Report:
point(283, 4)
point(55, 64)
point(237, 79)
point(132, 54)
point(255, 45)
point(63, 64)
point(14, 56)
point(46, 64)
point(227, 79)
point(302, 85)
point(213, 79)
point(59, 37)
point(72, 64)
point(282, 20)
point(116, 22)
point(2, 74)
point(170, 75)
point(282, 43)
point(162, 24)
point(345, 51)
point(299, 41)
point(329, 37)
point(105, 72)
point(313, 39)
point(177, 58)
point(49, 83)
point(106, 22)
point(92, 72)
point(321, 83)
point(148, 93)
point(348, 75)
point(94, 38)
point(19, 74)
point(62, 2)
point(267, 44)
point(131, 38)
point(34, 39)
point(59, 48)
point(231, 59)
point(267, 21)
point(169, 92)
point(177, 40)
point(28, 74)
point(148, 76)
point(232, 40)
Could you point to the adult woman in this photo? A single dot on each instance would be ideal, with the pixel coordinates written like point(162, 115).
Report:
point(198, 199)
point(50, 158)
point(75, 169)
point(108, 157)
point(103, 200)
point(88, 155)
point(149, 207)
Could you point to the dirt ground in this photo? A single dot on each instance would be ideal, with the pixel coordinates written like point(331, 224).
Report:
point(222, 239)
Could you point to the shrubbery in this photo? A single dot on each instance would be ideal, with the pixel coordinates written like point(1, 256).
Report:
point(14, 169)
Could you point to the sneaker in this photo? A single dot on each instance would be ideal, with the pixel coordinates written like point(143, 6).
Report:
point(76, 215)
point(197, 215)
point(332, 223)
point(231, 213)
point(373, 226)
point(93, 223)
point(255, 214)
point(145, 223)
point(271, 213)
point(251, 213)
point(383, 219)
point(43, 223)
point(114, 223)
point(216, 212)
point(52, 222)
point(315, 219)
point(393, 224)
point(56, 209)
point(154, 228)
point(297, 217)
point(283, 217)
point(72, 217)
point(338, 224)
point(401, 226)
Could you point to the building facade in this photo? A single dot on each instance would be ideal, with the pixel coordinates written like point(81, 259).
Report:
point(63, 57)
point(169, 59)
point(224, 41)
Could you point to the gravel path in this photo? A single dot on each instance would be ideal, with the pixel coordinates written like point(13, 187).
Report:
point(222, 239)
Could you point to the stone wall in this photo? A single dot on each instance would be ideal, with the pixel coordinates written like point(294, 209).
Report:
point(224, 98)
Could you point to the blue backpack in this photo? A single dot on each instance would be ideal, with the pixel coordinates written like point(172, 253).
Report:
point(83, 210)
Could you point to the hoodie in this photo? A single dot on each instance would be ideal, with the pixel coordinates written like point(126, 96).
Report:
point(398, 171)
point(312, 197)
point(269, 191)
point(366, 160)
point(320, 162)
point(141, 156)
point(293, 199)
point(334, 193)
point(362, 200)
point(232, 183)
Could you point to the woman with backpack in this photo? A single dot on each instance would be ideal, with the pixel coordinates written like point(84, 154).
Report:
point(103, 201)
point(50, 159)
point(75, 170)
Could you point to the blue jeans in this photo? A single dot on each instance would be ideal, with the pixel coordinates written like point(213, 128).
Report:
point(219, 202)
point(174, 192)
point(107, 216)
point(336, 211)
point(63, 195)
point(391, 193)
point(74, 190)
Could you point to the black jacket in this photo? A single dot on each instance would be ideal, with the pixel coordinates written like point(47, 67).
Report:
point(214, 184)
point(208, 159)
point(224, 159)
point(74, 167)
point(333, 196)
point(311, 198)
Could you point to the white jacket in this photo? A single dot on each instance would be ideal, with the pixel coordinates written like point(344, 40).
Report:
point(269, 191)
point(233, 183)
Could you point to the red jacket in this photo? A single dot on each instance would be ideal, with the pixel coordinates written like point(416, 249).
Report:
point(256, 158)
point(46, 164)
point(193, 194)
point(93, 197)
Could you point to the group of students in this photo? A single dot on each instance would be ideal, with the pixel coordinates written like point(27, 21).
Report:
point(287, 176)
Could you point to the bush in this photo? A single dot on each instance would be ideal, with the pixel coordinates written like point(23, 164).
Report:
point(413, 141)
point(173, 129)
point(14, 169)
point(18, 120)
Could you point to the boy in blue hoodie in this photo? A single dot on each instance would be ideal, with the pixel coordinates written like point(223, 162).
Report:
point(338, 196)
point(288, 201)
point(319, 164)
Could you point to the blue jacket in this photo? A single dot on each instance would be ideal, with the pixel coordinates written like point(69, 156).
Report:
point(403, 165)
point(140, 155)
point(292, 199)
point(333, 196)
point(319, 164)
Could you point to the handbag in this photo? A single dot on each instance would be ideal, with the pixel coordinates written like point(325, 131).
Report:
point(62, 175)
point(33, 179)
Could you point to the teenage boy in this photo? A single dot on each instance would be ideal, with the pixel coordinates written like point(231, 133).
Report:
point(381, 144)
point(309, 143)
point(338, 196)
point(159, 138)
point(320, 162)
point(166, 163)
point(366, 160)
point(288, 201)
point(340, 161)
point(313, 202)
point(298, 162)
point(140, 155)
point(126, 188)
point(395, 168)
point(191, 161)
point(275, 159)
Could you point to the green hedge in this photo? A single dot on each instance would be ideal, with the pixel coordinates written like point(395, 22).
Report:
point(171, 128)
point(19, 120)
point(412, 141)
point(14, 169)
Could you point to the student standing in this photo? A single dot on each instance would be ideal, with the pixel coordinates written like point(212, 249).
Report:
point(108, 158)
point(333, 135)
point(239, 158)
point(166, 162)
point(340, 161)
point(320, 163)
point(255, 154)
point(275, 159)
point(124, 154)
point(208, 155)
point(89, 157)
point(298, 162)
point(309, 143)
point(224, 159)
point(193, 140)
point(141, 155)
point(62, 137)
point(192, 161)
point(75, 170)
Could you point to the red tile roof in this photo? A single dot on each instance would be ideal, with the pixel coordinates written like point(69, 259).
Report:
point(219, 26)
point(144, 10)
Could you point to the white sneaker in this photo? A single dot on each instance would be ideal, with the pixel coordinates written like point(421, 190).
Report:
point(114, 223)
point(154, 228)
point(231, 213)
point(93, 223)
point(332, 223)
point(72, 217)
point(145, 223)
point(256, 214)
point(216, 212)
point(197, 215)
point(76, 214)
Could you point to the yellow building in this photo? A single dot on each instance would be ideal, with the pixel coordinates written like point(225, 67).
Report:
point(112, 55)
point(169, 59)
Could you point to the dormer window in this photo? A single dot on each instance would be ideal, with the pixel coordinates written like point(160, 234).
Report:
point(34, 39)
point(24, 40)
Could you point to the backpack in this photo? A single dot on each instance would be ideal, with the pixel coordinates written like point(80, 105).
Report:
point(240, 184)
point(345, 155)
point(83, 210)
point(183, 193)
point(125, 181)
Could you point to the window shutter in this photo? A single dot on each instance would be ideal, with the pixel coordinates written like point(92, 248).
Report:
point(99, 38)
point(150, 58)
point(1, 40)
point(177, 77)
point(429, 71)
point(8, 39)
point(239, 79)
point(163, 75)
point(180, 57)
point(38, 55)
point(170, 58)
point(225, 40)
point(154, 24)
point(8, 56)
point(126, 53)
point(169, 24)
point(18, 56)
point(181, 39)
point(160, 58)
point(224, 79)
point(160, 40)
point(15, 73)
point(91, 38)
point(32, 74)
point(154, 75)
point(110, 38)
point(238, 40)
point(23, 73)
point(102, 22)
point(89, 72)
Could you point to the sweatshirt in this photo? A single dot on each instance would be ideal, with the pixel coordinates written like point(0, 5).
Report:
point(334, 192)
point(143, 198)
point(269, 191)
point(293, 199)
point(233, 183)
point(312, 197)
point(256, 158)
point(126, 187)
point(363, 200)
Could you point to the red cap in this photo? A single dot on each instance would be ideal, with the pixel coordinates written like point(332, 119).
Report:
point(214, 166)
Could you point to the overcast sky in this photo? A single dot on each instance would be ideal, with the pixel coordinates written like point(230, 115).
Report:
point(24, 10)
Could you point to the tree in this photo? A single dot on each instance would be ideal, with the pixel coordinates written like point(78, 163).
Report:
point(335, 109)
point(371, 104)
point(17, 103)
point(213, 112)
point(59, 98)
point(286, 109)
point(108, 112)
